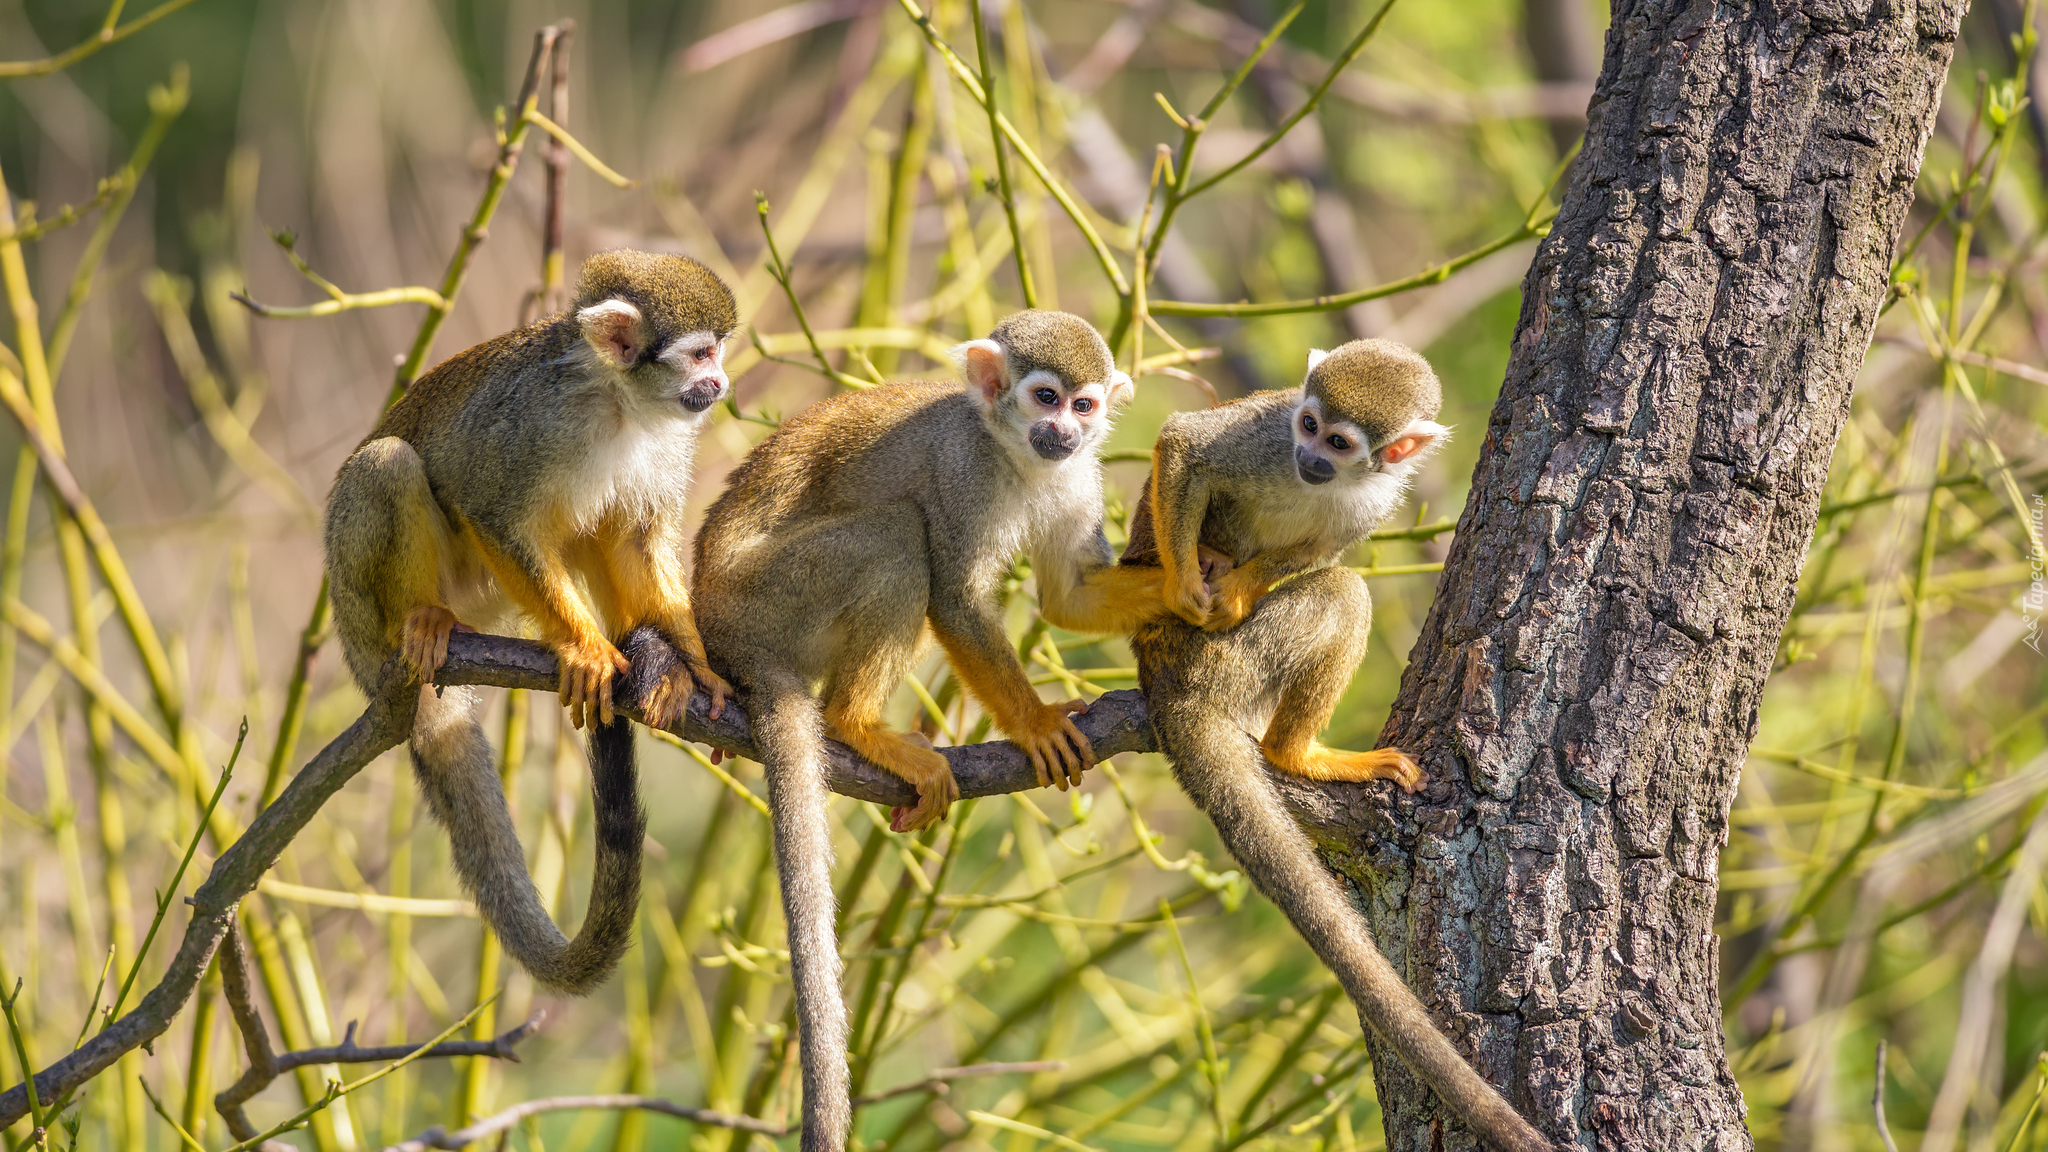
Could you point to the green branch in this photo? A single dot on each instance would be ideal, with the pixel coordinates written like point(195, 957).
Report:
point(1435, 274)
point(108, 34)
point(1009, 132)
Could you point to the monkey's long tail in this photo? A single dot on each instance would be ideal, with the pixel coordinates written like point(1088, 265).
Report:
point(789, 732)
point(1219, 767)
point(451, 759)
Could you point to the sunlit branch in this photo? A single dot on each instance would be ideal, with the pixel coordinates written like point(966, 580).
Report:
point(1435, 274)
point(1009, 132)
point(576, 148)
point(108, 34)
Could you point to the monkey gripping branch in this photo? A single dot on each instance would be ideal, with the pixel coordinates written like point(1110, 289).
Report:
point(1116, 722)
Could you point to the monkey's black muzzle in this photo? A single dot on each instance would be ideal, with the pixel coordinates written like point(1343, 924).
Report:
point(1053, 442)
point(699, 397)
point(1313, 469)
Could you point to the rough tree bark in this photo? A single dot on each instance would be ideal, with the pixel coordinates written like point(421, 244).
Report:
point(1586, 685)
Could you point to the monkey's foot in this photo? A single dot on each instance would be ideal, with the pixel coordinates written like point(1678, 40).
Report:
point(588, 667)
point(1235, 597)
point(1058, 751)
point(912, 758)
point(667, 700)
point(423, 645)
point(667, 697)
point(1319, 763)
point(714, 686)
point(1215, 565)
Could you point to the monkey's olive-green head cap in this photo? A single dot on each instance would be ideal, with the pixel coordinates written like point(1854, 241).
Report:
point(1380, 385)
point(1058, 342)
point(675, 294)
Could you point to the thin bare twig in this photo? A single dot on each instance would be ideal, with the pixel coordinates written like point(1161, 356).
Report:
point(27, 228)
point(577, 149)
point(1115, 723)
point(1978, 359)
point(265, 1066)
point(770, 28)
point(556, 157)
point(1884, 1131)
point(19, 69)
point(440, 1137)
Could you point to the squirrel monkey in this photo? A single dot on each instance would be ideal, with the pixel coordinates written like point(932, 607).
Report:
point(542, 473)
point(866, 519)
point(1282, 483)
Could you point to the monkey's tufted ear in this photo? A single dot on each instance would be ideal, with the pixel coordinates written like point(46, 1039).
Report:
point(982, 366)
point(1419, 438)
point(1120, 390)
point(615, 332)
point(1316, 356)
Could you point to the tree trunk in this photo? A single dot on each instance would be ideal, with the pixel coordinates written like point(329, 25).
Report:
point(1585, 688)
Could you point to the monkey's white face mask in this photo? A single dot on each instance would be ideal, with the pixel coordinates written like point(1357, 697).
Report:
point(1058, 420)
point(689, 370)
point(1328, 447)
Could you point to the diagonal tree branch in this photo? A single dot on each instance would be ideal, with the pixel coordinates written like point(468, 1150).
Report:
point(266, 1066)
point(1115, 722)
point(936, 1084)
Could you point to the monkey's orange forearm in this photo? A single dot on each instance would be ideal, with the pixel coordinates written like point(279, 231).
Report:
point(654, 592)
point(546, 592)
point(1116, 598)
point(995, 678)
point(1243, 586)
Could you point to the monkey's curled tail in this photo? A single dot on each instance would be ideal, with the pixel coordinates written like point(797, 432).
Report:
point(451, 759)
point(790, 736)
point(1219, 767)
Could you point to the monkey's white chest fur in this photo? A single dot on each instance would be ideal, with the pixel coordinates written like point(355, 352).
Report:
point(1047, 499)
point(1338, 512)
point(641, 467)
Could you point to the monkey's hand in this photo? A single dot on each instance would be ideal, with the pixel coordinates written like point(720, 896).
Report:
point(1235, 597)
point(588, 667)
point(1189, 599)
point(1057, 749)
point(423, 645)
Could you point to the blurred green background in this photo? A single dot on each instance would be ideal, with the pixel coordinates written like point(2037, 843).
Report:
point(1862, 868)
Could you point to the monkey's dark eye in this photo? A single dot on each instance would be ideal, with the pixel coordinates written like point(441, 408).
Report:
point(1047, 396)
point(702, 354)
point(1340, 443)
point(1084, 405)
point(1308, 423)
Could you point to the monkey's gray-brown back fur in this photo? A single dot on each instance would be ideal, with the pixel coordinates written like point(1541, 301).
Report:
point(1207, 692)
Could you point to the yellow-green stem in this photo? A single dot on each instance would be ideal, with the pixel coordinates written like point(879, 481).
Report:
point(995, 139)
